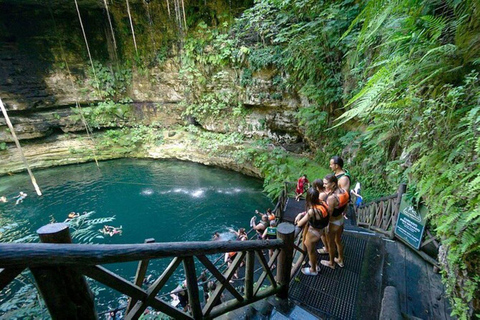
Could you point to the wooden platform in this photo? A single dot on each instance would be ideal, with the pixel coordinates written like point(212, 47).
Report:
point(372, 263)
point(385, 263)
point(420, 290)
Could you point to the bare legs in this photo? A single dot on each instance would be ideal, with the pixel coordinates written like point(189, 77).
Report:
point(326, 244)
point(339, 245)
point(312, 237)
point(334, 240)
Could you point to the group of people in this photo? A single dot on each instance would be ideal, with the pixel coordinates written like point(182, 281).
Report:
point(326, 206)
point(266, 227)
point(20, 197)
point(180, 298)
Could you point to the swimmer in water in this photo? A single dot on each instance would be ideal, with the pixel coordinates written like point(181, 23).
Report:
point(111, 231)
point(73, 215)
point(22, 195)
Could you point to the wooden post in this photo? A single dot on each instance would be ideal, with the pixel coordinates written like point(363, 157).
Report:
point(192, 287)
point(402, 188)
point(285, 232)
point(64, 290)
point(249, 274)
point(139, 276)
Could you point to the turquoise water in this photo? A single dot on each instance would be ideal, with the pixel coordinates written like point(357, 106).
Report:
point(164, 200)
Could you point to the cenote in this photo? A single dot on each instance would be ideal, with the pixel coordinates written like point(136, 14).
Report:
point(170, 201)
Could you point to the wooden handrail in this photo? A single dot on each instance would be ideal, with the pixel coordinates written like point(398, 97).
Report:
point(381, 215)
point(59, 268)
point(46, 254)
point(386, 198)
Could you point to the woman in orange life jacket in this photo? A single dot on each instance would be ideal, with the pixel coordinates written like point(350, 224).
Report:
point(318, 184)
point(316, 216)
point(337, 200)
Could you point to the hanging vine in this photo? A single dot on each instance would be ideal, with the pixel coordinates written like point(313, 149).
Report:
point(88, 130)
point(111, 27)
point(131, 26)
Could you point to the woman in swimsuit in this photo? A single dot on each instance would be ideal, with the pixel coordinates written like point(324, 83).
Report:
point(337, 201)
point(318, 184)
point(316, 217)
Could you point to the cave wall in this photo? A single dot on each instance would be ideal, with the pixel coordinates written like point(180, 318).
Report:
point(45, 69)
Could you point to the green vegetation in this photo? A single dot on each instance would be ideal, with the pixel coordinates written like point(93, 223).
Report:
point(109, 82)
point(392, 87)
point(105, 113)
point(129, 139)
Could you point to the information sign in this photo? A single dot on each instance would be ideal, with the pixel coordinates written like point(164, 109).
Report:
point(410, 223)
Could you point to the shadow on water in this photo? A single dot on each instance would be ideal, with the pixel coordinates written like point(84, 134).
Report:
point(164, 200)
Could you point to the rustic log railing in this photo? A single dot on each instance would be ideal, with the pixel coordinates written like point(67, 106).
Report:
point(381, 215)
point(59, 267)
point(299, 252)
point(279, 209)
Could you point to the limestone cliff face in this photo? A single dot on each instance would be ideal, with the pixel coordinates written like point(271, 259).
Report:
point(48, 83)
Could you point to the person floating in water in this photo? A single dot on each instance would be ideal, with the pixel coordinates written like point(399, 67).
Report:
point(22, 195)
point(3, 199)
point(111, 231)
point(73, 215)
point(216, 236)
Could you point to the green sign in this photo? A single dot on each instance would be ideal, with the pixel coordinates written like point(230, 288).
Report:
point(410, 223)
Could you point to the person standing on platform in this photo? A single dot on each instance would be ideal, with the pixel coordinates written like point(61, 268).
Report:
point(337, 201)
point(180, 293)
point(315, 221)
point(343, 176)
point(302, 185)
point(322, 195)
point(261, 226)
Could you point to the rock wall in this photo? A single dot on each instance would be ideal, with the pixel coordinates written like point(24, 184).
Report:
point(47, 82)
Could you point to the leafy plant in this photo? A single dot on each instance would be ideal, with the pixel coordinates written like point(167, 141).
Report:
point(108, 82)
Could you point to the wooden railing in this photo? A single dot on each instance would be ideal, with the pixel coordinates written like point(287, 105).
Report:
point(381, 214)
point(299, 252)
point(59, 267)
point(279, 209)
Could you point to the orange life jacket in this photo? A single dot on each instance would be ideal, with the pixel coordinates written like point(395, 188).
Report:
point(324, 217)
point(343, 199)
